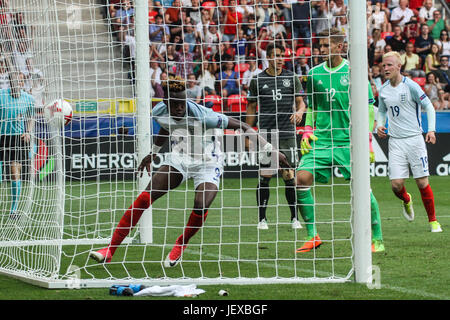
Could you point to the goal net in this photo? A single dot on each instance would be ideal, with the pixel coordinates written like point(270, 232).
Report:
point(63, 192)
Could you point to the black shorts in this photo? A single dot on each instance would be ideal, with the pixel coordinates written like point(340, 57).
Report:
point(13, 149)
point(288, 147)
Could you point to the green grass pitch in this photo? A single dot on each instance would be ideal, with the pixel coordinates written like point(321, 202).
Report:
point(414, 266)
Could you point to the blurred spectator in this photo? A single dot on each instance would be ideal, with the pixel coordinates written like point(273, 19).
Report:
point(443, 43)
point(184, 61)
point(432, 60)
point(232, 20)
point(401, 14)
point(323, 18)
point(436, 25)
point(250, 29)
point(378, 20)
point(411, 62)
point(171, 59)
point(190, 36)
point(124, 12)
point(435, 92)
point(229, 80)
point(275, 27)
point(316, 57)
point(252, 71)
point(426, 12)
point(206, 79)
point(173, 19)
point(212, 39)
point(114, 5)
point(377, 44)
point(155, 72)
point(398, 40)
point(302, 70)
point(240, 47)
point(193, 11)
point(246, 10)
point(415, 5)
point(338, 9)
point(301, 23)
point(222, 55)
point(443, 73)
point(4, 78)
point(21, 56)
point(152, 12)
point(264, 11)
point(158, 30)
point(392, 4)
point(376, 77)
point(193, 90)
point(423, 43)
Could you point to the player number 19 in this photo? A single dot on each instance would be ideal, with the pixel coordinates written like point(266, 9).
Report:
point(395, 111)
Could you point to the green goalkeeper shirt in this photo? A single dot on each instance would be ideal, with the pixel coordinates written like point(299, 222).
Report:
point(329, 103)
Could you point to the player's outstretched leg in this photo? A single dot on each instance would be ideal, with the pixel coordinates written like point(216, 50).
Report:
point(205, 194)
point(377, 235)
point(195, 222)
point(262, 199)
point(126, 224)
point(16, 186)
point(428, 201)
point(291, 199)
point(407, 204)
point(306, 205)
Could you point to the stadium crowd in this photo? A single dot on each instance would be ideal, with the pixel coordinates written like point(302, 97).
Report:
point(218, 45)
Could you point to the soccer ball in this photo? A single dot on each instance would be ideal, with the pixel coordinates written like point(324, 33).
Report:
point(60, 111)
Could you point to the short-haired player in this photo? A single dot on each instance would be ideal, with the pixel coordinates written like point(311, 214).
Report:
point(401, 101)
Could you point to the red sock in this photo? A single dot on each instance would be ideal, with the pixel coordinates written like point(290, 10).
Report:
point(194, 224)
point(428, 202)
point(403, 195)
point(130, 219)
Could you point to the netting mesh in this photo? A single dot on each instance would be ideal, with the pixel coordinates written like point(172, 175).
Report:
point(77, 183)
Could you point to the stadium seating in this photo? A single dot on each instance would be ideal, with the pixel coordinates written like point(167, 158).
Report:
point(216, 100)
point(237, 103)
point(420, 81)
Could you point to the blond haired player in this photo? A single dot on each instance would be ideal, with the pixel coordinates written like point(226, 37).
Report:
point(401, 101)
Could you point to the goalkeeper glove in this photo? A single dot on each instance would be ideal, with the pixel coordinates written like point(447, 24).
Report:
point(371, 152)
point(307, 136)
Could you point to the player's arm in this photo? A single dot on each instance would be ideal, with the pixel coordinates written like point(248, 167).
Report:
point(371, 124)
point(300, 106)
point(381, 118)
point(158, 142)
point(250, 116)
point(265, 146)
point(308, 133)
point(427, 105)
point(422, 99)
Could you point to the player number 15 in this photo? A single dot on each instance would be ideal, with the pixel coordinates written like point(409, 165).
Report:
point(276, 94)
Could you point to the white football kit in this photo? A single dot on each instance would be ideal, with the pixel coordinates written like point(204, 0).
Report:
point(402, 105)
point(195, 149)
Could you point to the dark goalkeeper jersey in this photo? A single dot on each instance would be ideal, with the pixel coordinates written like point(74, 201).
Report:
point(275, 96)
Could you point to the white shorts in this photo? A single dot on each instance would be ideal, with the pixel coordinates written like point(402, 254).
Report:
point(406, 153)
point(200, 172)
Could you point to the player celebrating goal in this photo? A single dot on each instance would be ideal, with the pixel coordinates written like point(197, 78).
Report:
point(195, 153)
point(400, 101)
point(329, 144)
point(276, 91)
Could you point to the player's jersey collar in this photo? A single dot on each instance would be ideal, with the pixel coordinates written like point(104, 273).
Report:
point(342, 64)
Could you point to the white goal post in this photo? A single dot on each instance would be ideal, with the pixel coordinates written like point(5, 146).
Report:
point(77, 182)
